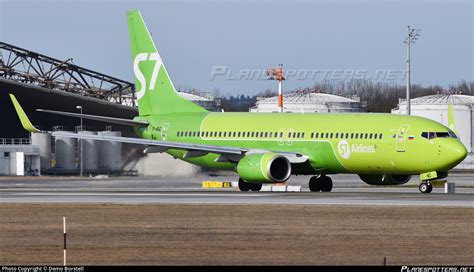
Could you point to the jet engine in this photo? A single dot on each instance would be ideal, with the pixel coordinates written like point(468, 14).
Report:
point(264, 168)
point(385, 179)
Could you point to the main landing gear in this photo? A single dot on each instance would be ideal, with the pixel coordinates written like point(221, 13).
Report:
point(426, 187)
point(248, 186)
point(320, 184)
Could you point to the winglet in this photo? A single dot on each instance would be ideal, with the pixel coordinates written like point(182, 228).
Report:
point(25, 122)
point(451, 123)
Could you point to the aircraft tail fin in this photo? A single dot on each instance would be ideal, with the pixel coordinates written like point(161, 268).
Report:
point(155, 91)
point(451, 123)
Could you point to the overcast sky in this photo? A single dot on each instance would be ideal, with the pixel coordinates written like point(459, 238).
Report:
point(334, 39)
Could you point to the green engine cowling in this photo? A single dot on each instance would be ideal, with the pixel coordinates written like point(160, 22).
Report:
point(264, 168)
point(385, 179)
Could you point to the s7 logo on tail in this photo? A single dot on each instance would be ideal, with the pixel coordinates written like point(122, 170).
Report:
point(139, 75)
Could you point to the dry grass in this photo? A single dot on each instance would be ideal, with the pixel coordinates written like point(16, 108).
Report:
point(235, 234)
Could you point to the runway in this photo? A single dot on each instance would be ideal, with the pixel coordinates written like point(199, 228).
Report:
point(228, 197)
point(347, 191)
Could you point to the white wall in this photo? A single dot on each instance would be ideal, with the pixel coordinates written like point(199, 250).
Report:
point(17, 163)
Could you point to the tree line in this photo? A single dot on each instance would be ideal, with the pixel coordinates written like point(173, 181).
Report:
point(380, 96)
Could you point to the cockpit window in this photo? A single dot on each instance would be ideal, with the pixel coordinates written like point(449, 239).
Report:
point(452, 134)
point(442, 134)
point(432, 135)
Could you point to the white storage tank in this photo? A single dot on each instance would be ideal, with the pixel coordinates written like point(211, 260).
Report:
point(310, 102)
point(110, 152)
point(43, 141)
point(65, 153)
point(89, 151)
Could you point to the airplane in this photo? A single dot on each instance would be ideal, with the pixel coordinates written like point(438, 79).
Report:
point(381, 148)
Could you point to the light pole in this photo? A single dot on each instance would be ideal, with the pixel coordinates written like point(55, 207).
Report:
point(80, 142)
point(412, 36)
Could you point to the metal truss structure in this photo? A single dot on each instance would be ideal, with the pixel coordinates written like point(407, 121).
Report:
point(32, 68)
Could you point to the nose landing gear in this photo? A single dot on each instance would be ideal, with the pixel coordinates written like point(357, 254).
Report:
point(426, 187)
point(320, 184)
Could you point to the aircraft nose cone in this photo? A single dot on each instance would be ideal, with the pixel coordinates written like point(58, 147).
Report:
point(458, 153)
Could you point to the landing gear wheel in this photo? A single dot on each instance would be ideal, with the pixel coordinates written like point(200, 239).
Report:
point(255, 186)
point(320, 184)
point(426, 187)
point(244, 186)
point(326, 184)
point(314, 184)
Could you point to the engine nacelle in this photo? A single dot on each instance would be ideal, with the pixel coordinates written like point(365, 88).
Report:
point(385, 179)
point(264, 167)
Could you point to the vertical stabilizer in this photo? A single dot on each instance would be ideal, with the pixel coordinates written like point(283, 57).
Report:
point(154, 90)
point(451, 123)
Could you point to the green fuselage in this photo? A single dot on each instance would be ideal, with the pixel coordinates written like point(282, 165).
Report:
point(334, 143)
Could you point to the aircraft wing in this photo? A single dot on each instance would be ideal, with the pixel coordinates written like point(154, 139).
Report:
point(113, 120)
point(232, 154)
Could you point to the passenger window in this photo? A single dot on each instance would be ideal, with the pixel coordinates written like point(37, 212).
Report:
point(220, 134)
point(380, 136)
point(347, 135)
point(281, 134)
point(194, 133)
point(366, 135)
point(330, 135)
point(302, 135)
point(316, 135)
point(352, 135)
point(312, 134)
point(375, 136)
point(370, 136)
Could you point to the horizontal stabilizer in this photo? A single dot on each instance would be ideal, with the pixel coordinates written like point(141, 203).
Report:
point(120, 121)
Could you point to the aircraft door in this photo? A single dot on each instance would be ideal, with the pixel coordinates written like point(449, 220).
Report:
point(164, 131)
point(402, 136)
